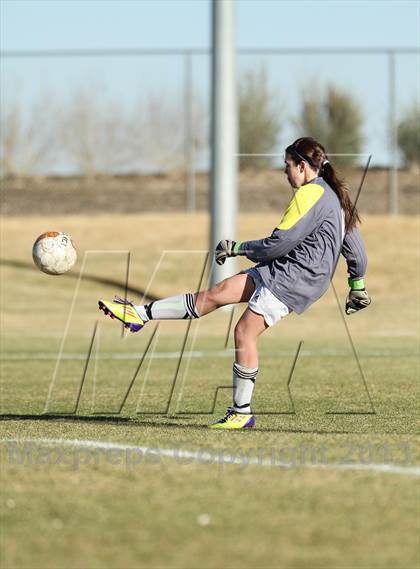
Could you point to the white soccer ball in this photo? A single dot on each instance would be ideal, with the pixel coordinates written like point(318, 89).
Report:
point(54, 253)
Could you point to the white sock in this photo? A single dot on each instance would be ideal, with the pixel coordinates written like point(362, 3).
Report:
point(243, 386)
point(180, 307)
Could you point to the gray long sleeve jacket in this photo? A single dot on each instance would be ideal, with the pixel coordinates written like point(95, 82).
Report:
point(297, 262)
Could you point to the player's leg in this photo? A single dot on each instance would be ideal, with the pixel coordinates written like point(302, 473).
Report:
point(245, 369)
point(264, 310)
point(249, 327)
point(232, 290)
point(238, 288)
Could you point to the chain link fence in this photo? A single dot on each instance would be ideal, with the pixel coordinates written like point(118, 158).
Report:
point(123, 113)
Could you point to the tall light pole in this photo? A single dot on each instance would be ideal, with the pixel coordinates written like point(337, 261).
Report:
point(224, 133)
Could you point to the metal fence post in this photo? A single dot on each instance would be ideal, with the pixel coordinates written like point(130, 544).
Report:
point(393, 150)
point(188, 135)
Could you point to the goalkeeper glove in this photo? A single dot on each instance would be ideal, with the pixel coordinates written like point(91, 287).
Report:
point(226, 248)
point(358, 297)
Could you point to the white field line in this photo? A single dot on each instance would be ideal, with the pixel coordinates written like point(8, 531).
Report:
point(219, 457)
point(10, 356)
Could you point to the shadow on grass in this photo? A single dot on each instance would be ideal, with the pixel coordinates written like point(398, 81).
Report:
point(61, 417)
point(134, 422)
point(103, 419)
point(91, 278)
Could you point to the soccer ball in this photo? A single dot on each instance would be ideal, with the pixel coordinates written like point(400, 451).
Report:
point(54, 253)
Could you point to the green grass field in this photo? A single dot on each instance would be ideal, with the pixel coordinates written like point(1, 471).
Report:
point(329, 477)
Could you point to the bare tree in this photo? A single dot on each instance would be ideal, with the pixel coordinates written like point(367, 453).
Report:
point(94, 133)
point(409, 135)
point(10, 136)
point(259, 120)
point(28, 141)
point(334, 118)
point(158, 131)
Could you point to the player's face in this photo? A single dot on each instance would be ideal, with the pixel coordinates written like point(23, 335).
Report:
point(295, 172)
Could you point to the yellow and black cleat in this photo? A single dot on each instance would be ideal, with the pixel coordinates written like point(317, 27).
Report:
point(124, 311)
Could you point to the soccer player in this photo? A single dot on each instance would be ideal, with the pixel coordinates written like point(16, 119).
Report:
point(294, 267)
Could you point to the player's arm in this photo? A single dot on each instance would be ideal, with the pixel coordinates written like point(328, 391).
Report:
point(354, 252)
point(300, 219)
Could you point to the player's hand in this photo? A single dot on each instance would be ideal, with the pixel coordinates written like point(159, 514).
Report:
point(225, 248)
point(356, 300)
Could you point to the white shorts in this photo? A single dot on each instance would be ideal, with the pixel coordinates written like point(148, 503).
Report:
point(264, 302)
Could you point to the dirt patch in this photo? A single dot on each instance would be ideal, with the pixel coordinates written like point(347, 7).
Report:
point(258, 191)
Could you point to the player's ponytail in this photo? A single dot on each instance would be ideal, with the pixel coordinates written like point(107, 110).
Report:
point(351, 215)
point(313, 152)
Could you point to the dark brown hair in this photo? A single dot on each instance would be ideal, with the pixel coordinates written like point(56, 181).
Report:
point(312, 152)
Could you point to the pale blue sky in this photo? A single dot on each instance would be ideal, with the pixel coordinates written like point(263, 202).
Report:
point(57, 24)
point(66, 24)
